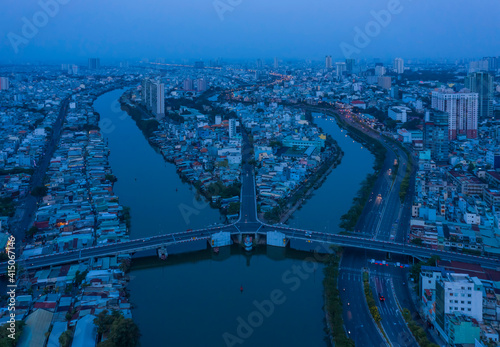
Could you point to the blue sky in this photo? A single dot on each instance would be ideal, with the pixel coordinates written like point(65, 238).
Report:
point(245, 29)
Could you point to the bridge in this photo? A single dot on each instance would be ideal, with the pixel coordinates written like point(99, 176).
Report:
point(310, 240)
point(247, 224)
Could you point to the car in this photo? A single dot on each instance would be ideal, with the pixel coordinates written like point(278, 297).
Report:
point(308, 234)
point(381, 297)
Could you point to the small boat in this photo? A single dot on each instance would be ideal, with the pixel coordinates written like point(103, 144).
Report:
point(248, 243)
point(241, 289)
point(162, 253)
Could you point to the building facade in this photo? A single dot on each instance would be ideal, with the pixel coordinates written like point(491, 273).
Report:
point(399, 65)
point(482, 84)
point(436, 135)
point(462, 109)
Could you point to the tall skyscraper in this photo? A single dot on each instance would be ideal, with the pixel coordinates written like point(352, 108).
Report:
point(399, 65)
point(153, 97)
point(4, 83)
point(436, 135)
point(276, 63)
point(379, 69)
point(493, 63)
point(328, 62)
point(480, 65)
point(349, 64)
point(482, 84)
point(94, 63)
point(341, 69)
point(232, 128)
point(158, 99)
point(259, 64)
point(462, 111)
point(188, 84)
point(201, 84)
point(395, 92)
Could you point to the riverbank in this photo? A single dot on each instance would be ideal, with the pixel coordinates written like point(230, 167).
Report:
point(333, 304)
point(218, 193)
point(304, 192)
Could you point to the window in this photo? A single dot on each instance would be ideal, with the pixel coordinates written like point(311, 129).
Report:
point(462, 302)
point(469, 295)
point(462, 309)
point(456, 301)
point(468, 309)
point(469, 302)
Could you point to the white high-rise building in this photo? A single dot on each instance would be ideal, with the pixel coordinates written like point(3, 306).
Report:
point(379, 70)
point(153, 97)
point(328, 62)
point(399, 65)
point(276, 63)
point(232, 128)
point(462, 109)
point(4, 83)
point(158, 99)
point(201, 85)
point(458, 293)
point(341, 69)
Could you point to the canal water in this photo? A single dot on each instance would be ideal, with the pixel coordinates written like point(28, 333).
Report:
point(323, 210)
point(271, 297)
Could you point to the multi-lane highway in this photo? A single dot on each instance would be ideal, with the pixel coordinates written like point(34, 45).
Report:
point(392, 320)
point(358, 322)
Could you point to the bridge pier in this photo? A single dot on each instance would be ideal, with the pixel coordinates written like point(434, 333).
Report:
point(257, 238)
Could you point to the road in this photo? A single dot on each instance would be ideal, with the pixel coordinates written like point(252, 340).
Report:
point(392, 320)
point(28, 204)
point(358, 321)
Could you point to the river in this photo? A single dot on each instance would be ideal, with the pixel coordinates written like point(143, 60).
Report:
point(195, 299)
point(323, 210)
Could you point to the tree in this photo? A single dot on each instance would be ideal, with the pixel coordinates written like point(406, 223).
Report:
point(5, 340)
point(103, 322)
point(390, 123)
point(110, 177)
point(120, 331)
point(124, 332)
point(66, 338)
point(31, 231)
point(39, 191)
point(234, 208)
point(80, 277)
point(417, 241)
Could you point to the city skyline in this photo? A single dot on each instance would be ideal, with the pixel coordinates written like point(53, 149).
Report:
point(56, 30)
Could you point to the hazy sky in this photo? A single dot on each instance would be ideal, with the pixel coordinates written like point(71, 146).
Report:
point(194, 29)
